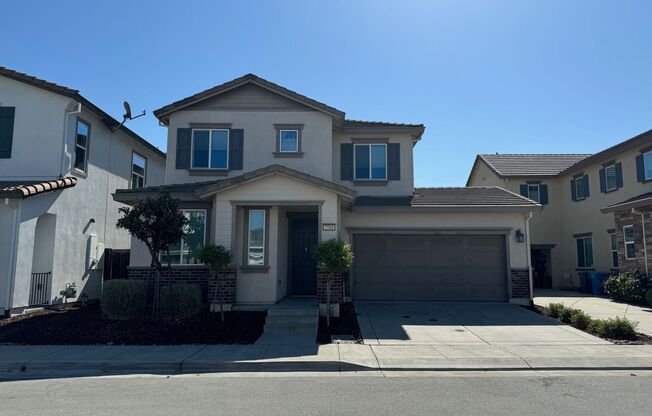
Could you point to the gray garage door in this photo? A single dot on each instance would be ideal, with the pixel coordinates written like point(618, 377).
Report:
point(429, 267)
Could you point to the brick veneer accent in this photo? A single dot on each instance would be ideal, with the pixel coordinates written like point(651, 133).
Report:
point(520, 283)
point(337, 285)
point(624, 218)
point(221, 289)
point(175, 275)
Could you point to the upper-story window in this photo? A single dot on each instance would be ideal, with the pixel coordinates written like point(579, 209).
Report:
point(630, 245)
point(647, 165)
point(138, 169)
point(210, 149)
point(288, 141)
point(533, 192)
point(6, 131)
point(370, 161)
point(580, 188)
point(610, 177)
point(82, 137)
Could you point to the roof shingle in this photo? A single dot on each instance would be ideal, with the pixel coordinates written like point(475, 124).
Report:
point(530, 164)
point(25, 189)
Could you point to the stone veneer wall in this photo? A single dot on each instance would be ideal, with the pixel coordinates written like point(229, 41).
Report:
point(520, 283)
point(624, 218)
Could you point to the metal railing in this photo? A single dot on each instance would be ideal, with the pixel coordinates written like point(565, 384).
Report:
point(39, 288)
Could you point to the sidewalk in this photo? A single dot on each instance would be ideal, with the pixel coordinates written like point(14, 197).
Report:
point(597, 307)
point(60, 360)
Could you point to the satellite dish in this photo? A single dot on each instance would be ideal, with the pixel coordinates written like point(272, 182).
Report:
point(127, 111)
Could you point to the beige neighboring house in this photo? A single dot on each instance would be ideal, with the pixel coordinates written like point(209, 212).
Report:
point(61, 158)
point(577, 231)
point(269, 173)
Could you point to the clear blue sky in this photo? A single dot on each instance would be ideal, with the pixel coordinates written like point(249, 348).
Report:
point(550, 76)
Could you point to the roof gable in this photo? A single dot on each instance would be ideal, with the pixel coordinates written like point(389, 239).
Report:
point(537, 165)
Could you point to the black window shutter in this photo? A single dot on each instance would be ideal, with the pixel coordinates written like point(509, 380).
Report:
point(640, 169)
point(573, 192)
point(236, 149)
point(619, 175)
point(586, 186)
point(6, 131)
point(543, 194)
point(346, 161)
point(183, 148)
point(394, 161)
point(603, 181)
point(523, 189)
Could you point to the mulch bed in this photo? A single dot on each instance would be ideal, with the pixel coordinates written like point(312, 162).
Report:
point(346, 324)
point(88, 326)
point(641, 339)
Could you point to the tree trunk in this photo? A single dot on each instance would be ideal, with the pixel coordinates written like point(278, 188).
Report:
point(219, 293)
point(328, 299)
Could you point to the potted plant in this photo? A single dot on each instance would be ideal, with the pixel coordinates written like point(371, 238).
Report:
point(336, 257)
point(216, 257)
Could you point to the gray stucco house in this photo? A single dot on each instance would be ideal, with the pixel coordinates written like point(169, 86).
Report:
point(269, 173)
point(61, 158)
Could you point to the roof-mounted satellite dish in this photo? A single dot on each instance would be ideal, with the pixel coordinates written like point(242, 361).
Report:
point(127, 115)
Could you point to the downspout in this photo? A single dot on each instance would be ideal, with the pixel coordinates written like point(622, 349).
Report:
point(62, 170)
point(529, 253)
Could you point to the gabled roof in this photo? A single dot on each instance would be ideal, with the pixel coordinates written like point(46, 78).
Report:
point(25, 189)
point(243, 80)
point(520, 165)
point(360, 126)
point(75, 95)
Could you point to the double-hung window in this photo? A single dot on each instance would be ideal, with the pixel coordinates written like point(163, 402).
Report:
point(138, 169)
point(614, 250)
point(256, 237)
point(210, 149)
point(647, 165)
point(630, 245)
point(187, 250)
point(370, 161)
point(533, 192)
point(288, 141)
point(584, 252)
point(82, 136)
point(580, 188)
point(610, 178)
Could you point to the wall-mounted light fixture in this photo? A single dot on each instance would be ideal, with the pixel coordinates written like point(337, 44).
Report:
point(520, 237)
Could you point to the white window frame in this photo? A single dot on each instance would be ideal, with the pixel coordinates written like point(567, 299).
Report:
point(613, 246)
point(586, 266)
point(77, 145)
point(647, 178)
point(144, 175)
point(181, 263)
point(296, 142)
point(250, 212)
point(606, 182)
point(355, 171)
point(538, 191)
point(210, 144)
point(577, 194)
point(633, 242)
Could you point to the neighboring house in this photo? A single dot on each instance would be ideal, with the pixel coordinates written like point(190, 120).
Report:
point(575, 232)
point(269, 173)
point(61, 158)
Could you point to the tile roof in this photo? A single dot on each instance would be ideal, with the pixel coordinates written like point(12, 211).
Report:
point(633, 202)
point(530, 164)
point(25, 189)
point(365, 126)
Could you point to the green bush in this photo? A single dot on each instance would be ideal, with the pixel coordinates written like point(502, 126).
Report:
point(629, 287)
point(617, 328)
point(335, 255)
point(180, 301)
point(555, 309)
point(124, 299)
point(648, 297)
point(579, 319)
point(565, 315)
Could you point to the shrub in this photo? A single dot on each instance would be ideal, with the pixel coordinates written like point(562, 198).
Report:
point(180, 301)
point(335, 255)
point(617, 328)
point(579, 319)
point(648, 297)
point(555, 309)
point(565, 315)
point(124, 299)
point(629, 287)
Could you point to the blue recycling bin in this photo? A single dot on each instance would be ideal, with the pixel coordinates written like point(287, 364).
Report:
point(596, 280)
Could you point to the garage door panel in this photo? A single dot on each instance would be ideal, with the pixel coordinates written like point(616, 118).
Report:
point(429, 267)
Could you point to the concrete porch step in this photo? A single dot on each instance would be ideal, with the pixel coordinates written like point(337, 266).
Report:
point(305, 311)
point(292, 319)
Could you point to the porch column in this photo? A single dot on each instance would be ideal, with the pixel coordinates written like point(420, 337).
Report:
point(224, 215)
point(329, 219)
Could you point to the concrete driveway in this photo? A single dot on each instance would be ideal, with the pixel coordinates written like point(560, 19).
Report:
point(462, 323)
point(597, 307)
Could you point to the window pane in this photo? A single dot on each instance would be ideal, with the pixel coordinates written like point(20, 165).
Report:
point(628, 233)
point(588, 251)
point(200, 149)
point(82, 133)
point(256, 249)
point(219, 149)
point(630, 250)
point(378, 170)
point(80, 159)
point(361, 161)
point(610, 176)
point(612, 238)
point(580, 253)
point(138, 164)
point(614, 258)
point(175, 254)
point(579, 187)
point(289, 141)
point(647, 163)
point(193, 239)
point(533, 192)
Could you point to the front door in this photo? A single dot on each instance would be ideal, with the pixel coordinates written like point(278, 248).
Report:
point(303, 267)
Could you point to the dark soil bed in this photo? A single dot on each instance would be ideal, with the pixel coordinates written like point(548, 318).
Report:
point(88, 326)
point(346, 326)
point(641, 339)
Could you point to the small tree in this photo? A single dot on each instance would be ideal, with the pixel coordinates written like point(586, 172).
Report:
point(336, 257)
point(158, 223)
point(217, 257)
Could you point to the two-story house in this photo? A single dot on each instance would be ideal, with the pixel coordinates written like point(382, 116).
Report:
point(61, 158)
point(268, 173)
point(576, 232)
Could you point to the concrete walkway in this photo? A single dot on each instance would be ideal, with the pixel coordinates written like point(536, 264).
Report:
point(597, 307)
point(58, 361)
